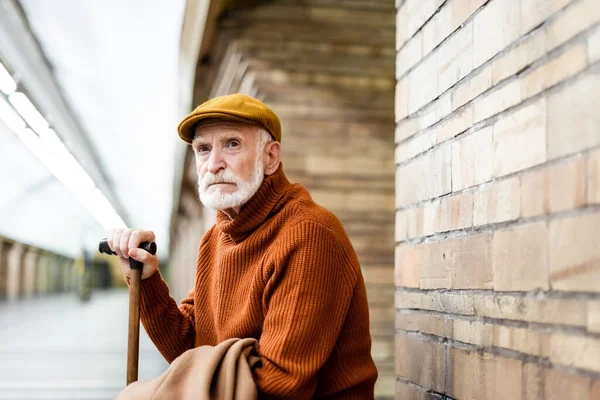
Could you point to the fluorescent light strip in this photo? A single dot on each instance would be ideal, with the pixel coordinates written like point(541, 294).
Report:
point(28, 111)
point(10, 117)
point(7, 83)
point(50, 150)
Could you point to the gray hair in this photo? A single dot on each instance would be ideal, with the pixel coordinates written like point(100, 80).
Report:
point(263, 137)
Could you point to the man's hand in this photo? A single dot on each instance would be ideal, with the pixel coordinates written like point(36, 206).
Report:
point(125, 243)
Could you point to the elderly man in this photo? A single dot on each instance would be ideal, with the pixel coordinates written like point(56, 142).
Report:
point(276, 266)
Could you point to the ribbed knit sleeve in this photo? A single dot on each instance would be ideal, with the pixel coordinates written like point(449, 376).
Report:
point(306, 298)
point(170, 327)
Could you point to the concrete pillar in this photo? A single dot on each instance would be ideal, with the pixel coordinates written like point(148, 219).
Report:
point(4, 246)
point(14, 271)
point(29, 266)
point(41, 285)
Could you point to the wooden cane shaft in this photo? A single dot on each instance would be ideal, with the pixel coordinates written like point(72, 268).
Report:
point(133, 343)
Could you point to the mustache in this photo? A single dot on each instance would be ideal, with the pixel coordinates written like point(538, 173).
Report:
point(223, 176)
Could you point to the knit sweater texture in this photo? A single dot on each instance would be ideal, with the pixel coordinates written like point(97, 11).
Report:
point(283, 272)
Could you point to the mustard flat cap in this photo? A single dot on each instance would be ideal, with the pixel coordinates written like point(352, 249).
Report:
point(234, 107)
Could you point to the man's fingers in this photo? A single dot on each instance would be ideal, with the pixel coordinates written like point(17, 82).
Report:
point(150, 262)
point(115, 240)
point(139, 236)
point(142, 256)
point(124, 243)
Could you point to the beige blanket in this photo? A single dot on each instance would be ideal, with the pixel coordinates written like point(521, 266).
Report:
point(222, 372)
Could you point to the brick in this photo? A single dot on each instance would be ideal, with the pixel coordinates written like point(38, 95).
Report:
point(472, 262)
point(548, 311)
point(419, 11)
point(593, 323)
point(463, 9)
point(473, 332)
point(520, 139)
point(485, 376)
point(523, 340)
point(520, 57)
point(497, 101)
point(409, 55)
point(429, 214)
point(436, 267)
point(533, 382)
point(466, 374)
point(472, 159)
point(432, 324)
point(423, 83)
point(560, 385)
point(415, 222)
point(495, 27)
point(593, 177)
point(471, 88)
point(421, 361)
point(455, 212)
point(498, 202)
point(455, 304)
point(455, 58)
point(459, 122)
point(534, 193)
point(520, 258)
point(405, 391)
point(401, 102)
point(574, 253)
point(408, 264)
point(405, 129)
point(573, 119)
point(438, 28)
point(575, 351)
point(434, 112)
point(593, 47)
point(424, 178)
point(566, 185)
point(401, 226)
point(582, 15)
point(401, 27)
point(504, 378)
point(415, 146)
point(534, 12)
point(562, 67)
point(414, 300)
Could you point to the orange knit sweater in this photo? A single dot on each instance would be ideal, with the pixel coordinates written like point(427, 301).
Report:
point(283, 272)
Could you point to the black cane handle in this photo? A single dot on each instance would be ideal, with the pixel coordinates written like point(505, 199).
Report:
point(150, 247)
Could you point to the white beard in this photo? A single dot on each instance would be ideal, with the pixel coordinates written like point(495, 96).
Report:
point(220, 200)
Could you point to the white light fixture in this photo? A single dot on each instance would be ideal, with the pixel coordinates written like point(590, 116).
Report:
point(7, 83)
point(10, 117)
point(99, 206)
point(52, 142)
point(52, 153)
point(28, 111)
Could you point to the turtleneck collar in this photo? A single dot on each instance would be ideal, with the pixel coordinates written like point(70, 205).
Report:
point(257, 209)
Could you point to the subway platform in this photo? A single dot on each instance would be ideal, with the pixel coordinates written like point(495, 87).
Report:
point(57, 347)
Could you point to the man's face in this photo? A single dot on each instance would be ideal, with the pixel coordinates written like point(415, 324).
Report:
point(230, 170)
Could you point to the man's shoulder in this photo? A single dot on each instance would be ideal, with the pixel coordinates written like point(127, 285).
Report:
point(302, 210)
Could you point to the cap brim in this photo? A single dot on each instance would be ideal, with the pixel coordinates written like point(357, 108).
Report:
point(187, 127)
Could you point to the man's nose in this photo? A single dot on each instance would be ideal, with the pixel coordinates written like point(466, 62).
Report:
point(216, 162)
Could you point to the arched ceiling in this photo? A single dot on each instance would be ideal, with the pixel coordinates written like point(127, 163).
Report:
point(116, 65)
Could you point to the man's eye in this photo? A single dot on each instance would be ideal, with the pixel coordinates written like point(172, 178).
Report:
point(233, 143)
point(202, 149)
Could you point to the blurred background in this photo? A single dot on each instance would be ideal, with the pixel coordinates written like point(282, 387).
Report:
point(458, 141)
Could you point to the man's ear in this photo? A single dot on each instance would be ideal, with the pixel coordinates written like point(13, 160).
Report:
point(272, 157)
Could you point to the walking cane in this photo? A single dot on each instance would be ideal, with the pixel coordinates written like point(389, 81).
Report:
point(135, 279)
